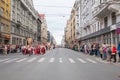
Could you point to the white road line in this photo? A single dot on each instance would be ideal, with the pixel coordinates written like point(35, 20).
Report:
point(21, 60)
point(81, 60)
point(71, 60)
point(41, 60)
point(11, 60)
point(4, 60)
point(100, 60)
point(52, 60)
point(91, 60)
point(32, 59)
point(60, 60)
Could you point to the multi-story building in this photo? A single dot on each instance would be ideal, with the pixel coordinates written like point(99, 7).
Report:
point(73, 24)
point(68, 33)
point(23, 21)
point(70, 30)
point(39, 29)
point(107, 16)
point(43, 29)
point(78, 30)
point(5, 21)
point(99, 21)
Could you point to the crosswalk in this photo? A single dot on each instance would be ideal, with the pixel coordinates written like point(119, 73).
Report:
point(52, 60)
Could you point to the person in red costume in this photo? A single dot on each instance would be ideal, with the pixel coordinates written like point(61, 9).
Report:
point(43, 49)
point(38, 49)
point(35, 50)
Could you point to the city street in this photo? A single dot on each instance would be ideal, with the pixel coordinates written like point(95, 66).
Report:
point(57, 64)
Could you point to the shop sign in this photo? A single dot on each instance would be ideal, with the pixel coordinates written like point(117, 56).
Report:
point(118, 30)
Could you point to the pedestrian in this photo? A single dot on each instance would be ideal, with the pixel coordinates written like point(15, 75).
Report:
point(30, 50)
point(38, 49)
point(101, 52)
point(8, 49)
point(43, 49)
point(97, 50)
point(5, 49)
point(104, 51)
point(118, 49)
point(86, 49)
point(109, 52)
point(114, 51)
point(35, 50)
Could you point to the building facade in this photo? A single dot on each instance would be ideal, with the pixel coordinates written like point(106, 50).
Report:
point(43, 29)
point(78, 31)
point(5, 21)
point(23, 21)
point(39, 29)
point(99, 21)
point(68, 33)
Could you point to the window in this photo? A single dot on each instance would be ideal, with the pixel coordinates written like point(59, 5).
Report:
point(93, 2)
point(7, 14)
point(105, 22)
point(113, 18)
point(2, 26)
point(7, 28)
point(2, 11)
point(98, 25)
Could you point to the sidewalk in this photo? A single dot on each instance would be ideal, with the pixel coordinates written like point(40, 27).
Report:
point(117, 63)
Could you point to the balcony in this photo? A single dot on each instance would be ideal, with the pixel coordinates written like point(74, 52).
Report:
point(28, 7)
point(115, 8)
point(18, 23)
point(101, 11)
point(106, 7)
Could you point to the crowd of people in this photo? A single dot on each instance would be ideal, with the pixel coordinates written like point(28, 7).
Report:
point(36, 50)
point(108, 52)
point(25, 49)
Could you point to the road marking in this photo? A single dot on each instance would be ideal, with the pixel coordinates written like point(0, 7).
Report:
point(71, 60)
point(91, 60)
point(11, 60)
point(21, 60)
point(32, 59)
point(81, 60)
point(52, 60)
point(41, 60)
point(100, 60)
point(60, 60)
point(4, 60)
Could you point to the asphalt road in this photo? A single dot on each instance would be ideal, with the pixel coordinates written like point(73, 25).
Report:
point(58, 64)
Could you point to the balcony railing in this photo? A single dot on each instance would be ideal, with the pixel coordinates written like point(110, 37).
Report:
point(102, 8)
point(28, 8)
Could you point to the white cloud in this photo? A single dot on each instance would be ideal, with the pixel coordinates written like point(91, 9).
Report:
point(56, 16)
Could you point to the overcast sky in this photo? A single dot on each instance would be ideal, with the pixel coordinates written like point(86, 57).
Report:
point(57, 13)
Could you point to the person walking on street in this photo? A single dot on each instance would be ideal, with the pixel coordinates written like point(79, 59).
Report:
point(43, 49)
point(101, 52)
point(118, 49)
point(97, 50)
point(109, 52)
point(114, 51)
point(104, 51)
point(8, 49)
